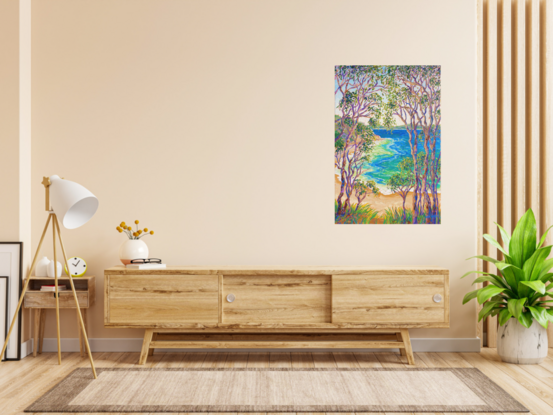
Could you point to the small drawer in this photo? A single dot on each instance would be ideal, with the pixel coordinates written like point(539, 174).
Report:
point(36, 299)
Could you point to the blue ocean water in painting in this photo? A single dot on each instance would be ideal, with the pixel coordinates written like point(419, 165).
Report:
point(387, 154)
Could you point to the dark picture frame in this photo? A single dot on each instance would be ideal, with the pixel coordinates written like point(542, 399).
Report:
point(14, 287)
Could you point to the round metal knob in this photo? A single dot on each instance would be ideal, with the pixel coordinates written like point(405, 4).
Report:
point(231, 298)
point(437, 298)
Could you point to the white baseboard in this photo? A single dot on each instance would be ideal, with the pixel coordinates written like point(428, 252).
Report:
point(134, 345)
point(26, 348)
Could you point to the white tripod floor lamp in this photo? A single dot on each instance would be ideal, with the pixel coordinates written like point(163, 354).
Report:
point(74, 205)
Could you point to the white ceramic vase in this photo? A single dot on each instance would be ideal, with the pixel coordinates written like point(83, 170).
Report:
point(41, 268)
point(519, 345)
point(133, 249)
point(50, 269)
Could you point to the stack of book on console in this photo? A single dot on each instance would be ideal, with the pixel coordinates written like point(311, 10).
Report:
point(146, 265)
point(53, 288)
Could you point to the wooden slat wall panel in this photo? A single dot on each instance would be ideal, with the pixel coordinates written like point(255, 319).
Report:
point(491, 145)
point(519, 194)
point(515, 106)
point(533, 109)
point(546, 121)
point(480, 152)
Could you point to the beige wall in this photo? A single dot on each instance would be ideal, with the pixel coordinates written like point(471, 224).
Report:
point(212, 123)
point(9, 120)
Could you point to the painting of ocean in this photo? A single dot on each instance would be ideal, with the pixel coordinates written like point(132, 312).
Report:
point(387, 145)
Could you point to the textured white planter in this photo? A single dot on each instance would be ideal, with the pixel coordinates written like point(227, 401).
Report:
point(133, 249)
point(517, 344)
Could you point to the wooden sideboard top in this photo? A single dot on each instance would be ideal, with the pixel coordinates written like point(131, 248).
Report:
point(281, 270)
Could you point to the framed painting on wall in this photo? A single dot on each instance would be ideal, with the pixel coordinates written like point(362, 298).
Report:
point(387, 144)
point(10, 290)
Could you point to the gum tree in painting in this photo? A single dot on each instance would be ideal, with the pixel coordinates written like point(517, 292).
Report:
point(414, 96)
point(403, 181)
point(384, 115)
point(360, 109)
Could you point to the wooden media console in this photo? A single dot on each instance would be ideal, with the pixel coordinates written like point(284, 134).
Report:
point(277, 307)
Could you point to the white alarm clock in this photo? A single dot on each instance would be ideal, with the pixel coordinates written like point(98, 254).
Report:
point(77, 266)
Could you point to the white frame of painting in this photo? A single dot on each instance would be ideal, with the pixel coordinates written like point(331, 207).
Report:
point(11, 262)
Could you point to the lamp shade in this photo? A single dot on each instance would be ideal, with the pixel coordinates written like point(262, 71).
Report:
point(72, 203)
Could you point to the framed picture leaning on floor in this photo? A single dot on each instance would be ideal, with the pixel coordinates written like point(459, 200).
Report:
point(11, 259)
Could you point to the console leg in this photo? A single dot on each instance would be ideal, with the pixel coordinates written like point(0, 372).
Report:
point(146, 346)
point(151, 351)
point(408, 348)
point(400, 339)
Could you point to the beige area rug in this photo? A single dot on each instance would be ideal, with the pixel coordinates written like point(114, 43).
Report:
point(277, 390)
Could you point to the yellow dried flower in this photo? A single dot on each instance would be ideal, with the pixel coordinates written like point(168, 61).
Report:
point(123, 224)
point(145, 229)
point(136, 222)
point(120, 230)
point(135, 234)
point(139, 232)
point(151, 232)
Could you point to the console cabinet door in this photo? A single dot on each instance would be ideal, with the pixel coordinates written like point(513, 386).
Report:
point(390, 299)
point(270, 299)
point(162, 299)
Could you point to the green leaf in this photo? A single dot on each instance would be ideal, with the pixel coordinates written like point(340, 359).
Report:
point(516, 306)
point(488, 292)
point(470, 296)
point(545, 267)
point(489, 278)
point(523, 241)
point(533, 265)
point(504, 316)
point(511, 273)
point(537, 286)
point(504, 235)
point(540, 303)
point(540, 315)
point(542, 240)
point(487, 309)
point(473, 272)
point(492, 241)
point(549, 314)
point(546, 277)
point(526, 319)
point(485, 258)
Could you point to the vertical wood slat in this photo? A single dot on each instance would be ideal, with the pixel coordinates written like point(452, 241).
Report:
point(505, 117)
point(533, 85)
point(514, 121)
point(491, 157)
point(480, 154)
point(520, 117)
point(546, 130)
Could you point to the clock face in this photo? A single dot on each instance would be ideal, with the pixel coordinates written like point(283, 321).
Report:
point(77, 266)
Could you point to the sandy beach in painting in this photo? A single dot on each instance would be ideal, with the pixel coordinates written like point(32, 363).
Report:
point(381, 202)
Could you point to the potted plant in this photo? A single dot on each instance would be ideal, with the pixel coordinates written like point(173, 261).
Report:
point(516, 294)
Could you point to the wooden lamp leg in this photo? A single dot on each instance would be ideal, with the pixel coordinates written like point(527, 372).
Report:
point(56, 290)
point(85, 337)
point(25, 287)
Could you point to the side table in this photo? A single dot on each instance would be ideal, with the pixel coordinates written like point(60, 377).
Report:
point(40, 301)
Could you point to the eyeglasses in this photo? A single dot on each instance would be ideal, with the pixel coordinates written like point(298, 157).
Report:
point(146, 261)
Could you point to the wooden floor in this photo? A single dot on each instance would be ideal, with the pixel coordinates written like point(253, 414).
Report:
point(21, 383)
